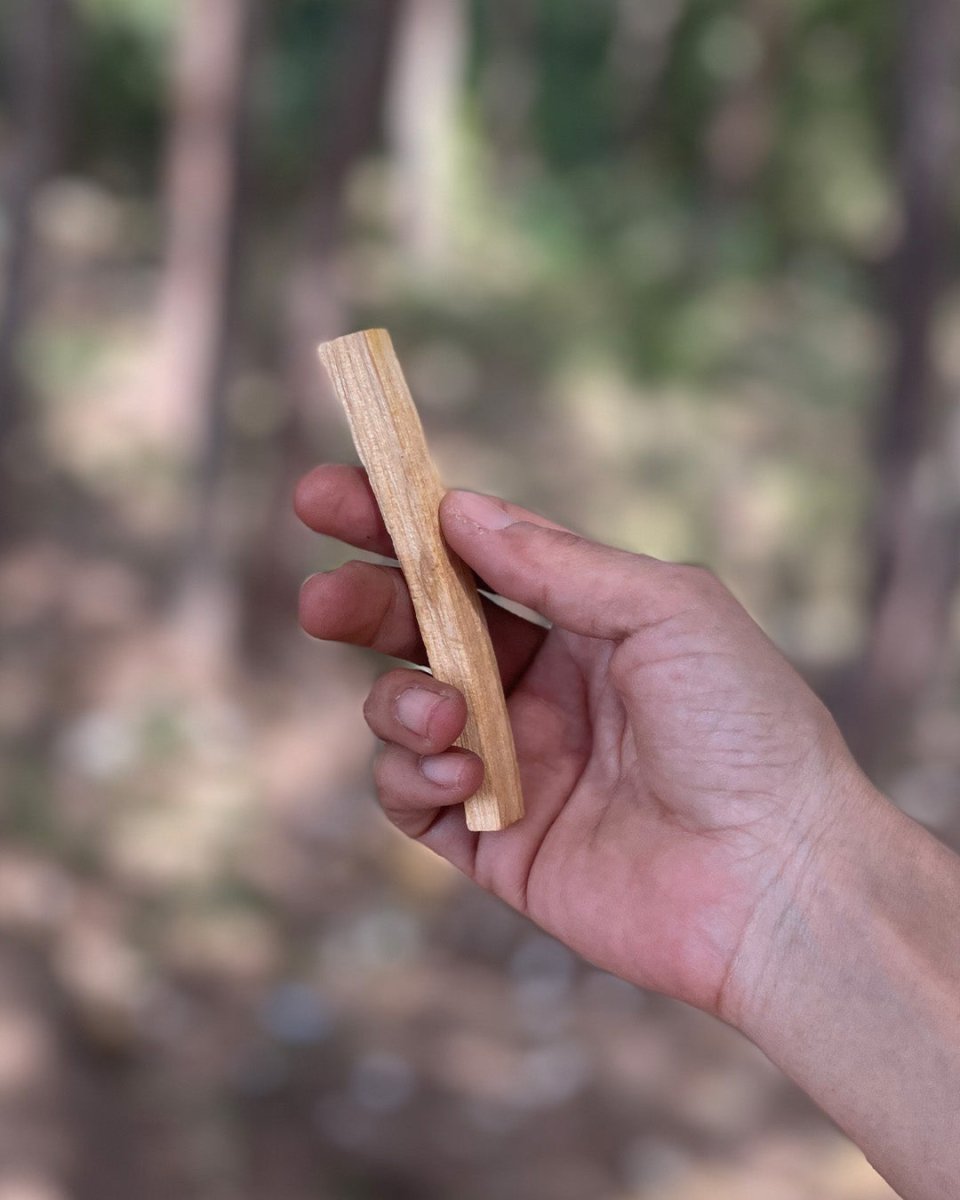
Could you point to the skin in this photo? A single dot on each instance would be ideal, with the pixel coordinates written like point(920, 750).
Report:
point(695, 823)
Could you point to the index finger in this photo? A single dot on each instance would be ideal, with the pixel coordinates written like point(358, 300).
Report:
point(336, 499)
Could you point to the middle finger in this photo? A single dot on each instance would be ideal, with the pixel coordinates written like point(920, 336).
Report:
point(366, 604)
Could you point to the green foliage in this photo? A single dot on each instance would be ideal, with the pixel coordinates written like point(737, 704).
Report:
point(599, 175)
point(574, 116)
point(292, 86)
point(121, 64)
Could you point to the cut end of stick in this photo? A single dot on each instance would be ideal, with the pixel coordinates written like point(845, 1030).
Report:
point(378, 342)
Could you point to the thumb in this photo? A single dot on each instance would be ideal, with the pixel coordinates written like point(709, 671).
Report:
point(581, 585)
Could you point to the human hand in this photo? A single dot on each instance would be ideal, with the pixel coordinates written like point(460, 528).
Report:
point(676, 770)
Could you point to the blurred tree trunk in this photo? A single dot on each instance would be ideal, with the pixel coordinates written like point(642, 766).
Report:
point(915, 530)
point(37, 72)
point(37, 1139)
point(203, 220)
point(203, 208)
point(426, 81)
point(508, 88)
point(739, 135)
point(315, 302)
point(639, 53)
point(315, 306)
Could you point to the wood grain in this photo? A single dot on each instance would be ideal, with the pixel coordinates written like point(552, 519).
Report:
point(389, 438)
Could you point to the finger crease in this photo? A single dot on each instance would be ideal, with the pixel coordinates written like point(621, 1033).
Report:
point(386, 618)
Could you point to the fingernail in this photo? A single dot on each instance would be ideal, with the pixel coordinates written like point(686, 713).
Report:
point(308, 582)
point(415, 706)
point(443, 769)
point(482, 511)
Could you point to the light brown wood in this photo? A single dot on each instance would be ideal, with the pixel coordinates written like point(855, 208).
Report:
point(390, 441)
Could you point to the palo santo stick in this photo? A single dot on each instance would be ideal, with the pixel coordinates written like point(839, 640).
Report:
point(390, 441)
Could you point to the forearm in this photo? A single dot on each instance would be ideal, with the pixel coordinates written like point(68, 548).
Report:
point(860, 1002)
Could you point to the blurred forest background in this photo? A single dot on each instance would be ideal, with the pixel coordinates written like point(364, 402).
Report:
point(681, 273)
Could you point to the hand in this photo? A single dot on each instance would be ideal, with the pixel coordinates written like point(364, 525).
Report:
point(676, 770)
point(694, 821)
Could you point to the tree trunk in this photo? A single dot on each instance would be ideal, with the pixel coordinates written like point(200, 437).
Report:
point(508, 88)
point(740, 133)
point(640, 50)
point(429, 58)
point(315, 304)
point(315, 301)
point(203, 215)
point(37, 72)
point(203, 188)
point(916, 522)
point(37, 1140)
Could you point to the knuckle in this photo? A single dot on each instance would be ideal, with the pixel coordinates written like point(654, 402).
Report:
point(565, 539)
point(378, 695)
point(394, 598)
point(302, 491)
point(542, 597)
point(698, 581)
point(539, 555)
point(383, 766)
point(622, 668)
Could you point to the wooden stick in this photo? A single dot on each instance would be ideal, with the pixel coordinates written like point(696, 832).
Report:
point(389, 439)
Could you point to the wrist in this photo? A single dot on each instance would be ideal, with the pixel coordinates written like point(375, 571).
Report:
point(857, 993)
point(830, 861)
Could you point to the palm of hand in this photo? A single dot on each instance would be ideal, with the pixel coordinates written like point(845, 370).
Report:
point(652, 778)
